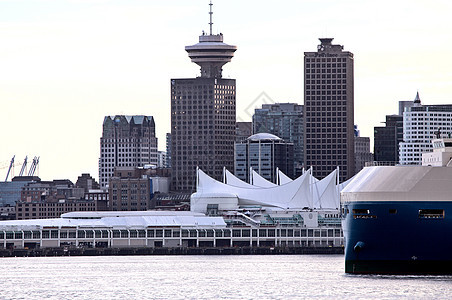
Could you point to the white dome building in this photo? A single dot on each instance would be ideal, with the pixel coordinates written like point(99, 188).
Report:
point(265, 153)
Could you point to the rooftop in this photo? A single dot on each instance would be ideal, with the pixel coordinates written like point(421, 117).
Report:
point(263, 136)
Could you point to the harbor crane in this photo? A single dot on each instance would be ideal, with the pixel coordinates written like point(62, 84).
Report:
point(10, 166)
point(23, 170)
point(24, 166)
point(34, 164)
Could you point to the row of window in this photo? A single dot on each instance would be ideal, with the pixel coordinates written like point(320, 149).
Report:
point(169, 233)
point(123, 141)
point(309, 99)
point(326, 71)
point(325, 75)
point(325, 59)
point(325, 65)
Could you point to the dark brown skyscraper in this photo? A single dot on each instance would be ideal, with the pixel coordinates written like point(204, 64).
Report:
point(328, 102)
point(203, 115)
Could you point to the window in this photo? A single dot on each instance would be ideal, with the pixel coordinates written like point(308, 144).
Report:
point(45, 234)
point(431, 214)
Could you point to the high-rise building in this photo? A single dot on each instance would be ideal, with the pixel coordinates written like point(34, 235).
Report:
point(328, 104)
point(387, 139)
point(127, 141)
point(203, 115)
point(286, 121)
point(421, 124)
point(265, 153)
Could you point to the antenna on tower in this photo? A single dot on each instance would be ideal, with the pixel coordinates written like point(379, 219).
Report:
point(210, 13)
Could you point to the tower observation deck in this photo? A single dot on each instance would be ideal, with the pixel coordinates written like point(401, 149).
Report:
point(211, 53)
point(203, 113)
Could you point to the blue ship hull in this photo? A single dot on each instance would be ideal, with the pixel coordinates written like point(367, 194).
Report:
point(398, 237)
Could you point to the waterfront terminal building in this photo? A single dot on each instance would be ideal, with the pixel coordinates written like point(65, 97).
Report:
point(297, 213)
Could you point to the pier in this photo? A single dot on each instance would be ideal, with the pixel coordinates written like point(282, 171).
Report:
point(76, 251)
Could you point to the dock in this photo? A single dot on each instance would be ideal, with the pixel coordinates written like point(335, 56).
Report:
point(64, 251)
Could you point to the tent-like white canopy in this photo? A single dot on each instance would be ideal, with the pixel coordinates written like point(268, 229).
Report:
point(258, 180)
point(231, 179)
point(303, 192)
point(283, 178)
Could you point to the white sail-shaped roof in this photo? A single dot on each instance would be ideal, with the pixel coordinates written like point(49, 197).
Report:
point(258, 180)
point(283, 178)
point(325, 192)
point(231, 179)
point(290, 196)
point(313, 178)
point(303, 192)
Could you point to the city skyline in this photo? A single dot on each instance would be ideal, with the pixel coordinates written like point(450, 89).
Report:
point(65, 65)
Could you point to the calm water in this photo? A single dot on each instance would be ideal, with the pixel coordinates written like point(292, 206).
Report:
point(205, 277)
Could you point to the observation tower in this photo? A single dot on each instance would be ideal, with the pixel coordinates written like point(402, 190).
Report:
point(211, 53)
point(203, 115)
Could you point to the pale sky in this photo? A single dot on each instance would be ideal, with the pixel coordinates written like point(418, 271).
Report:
point(65, 64)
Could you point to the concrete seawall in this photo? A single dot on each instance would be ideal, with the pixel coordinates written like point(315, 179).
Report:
point(168, 251)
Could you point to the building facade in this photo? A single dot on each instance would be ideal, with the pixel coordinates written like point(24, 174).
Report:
point(168, 150)
point(284, 120)
point(87, 182)
point(265, 153)
point(329, 105)
point(10, 191)
point(132, 189)
point(387, 139)
point(127, 141)
point(203, 115)
point(362, 152)
point(243, 130)
point(421, 124)
point(8, 212)
point(50, 199)
point(129, 193)
point(162, 159)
